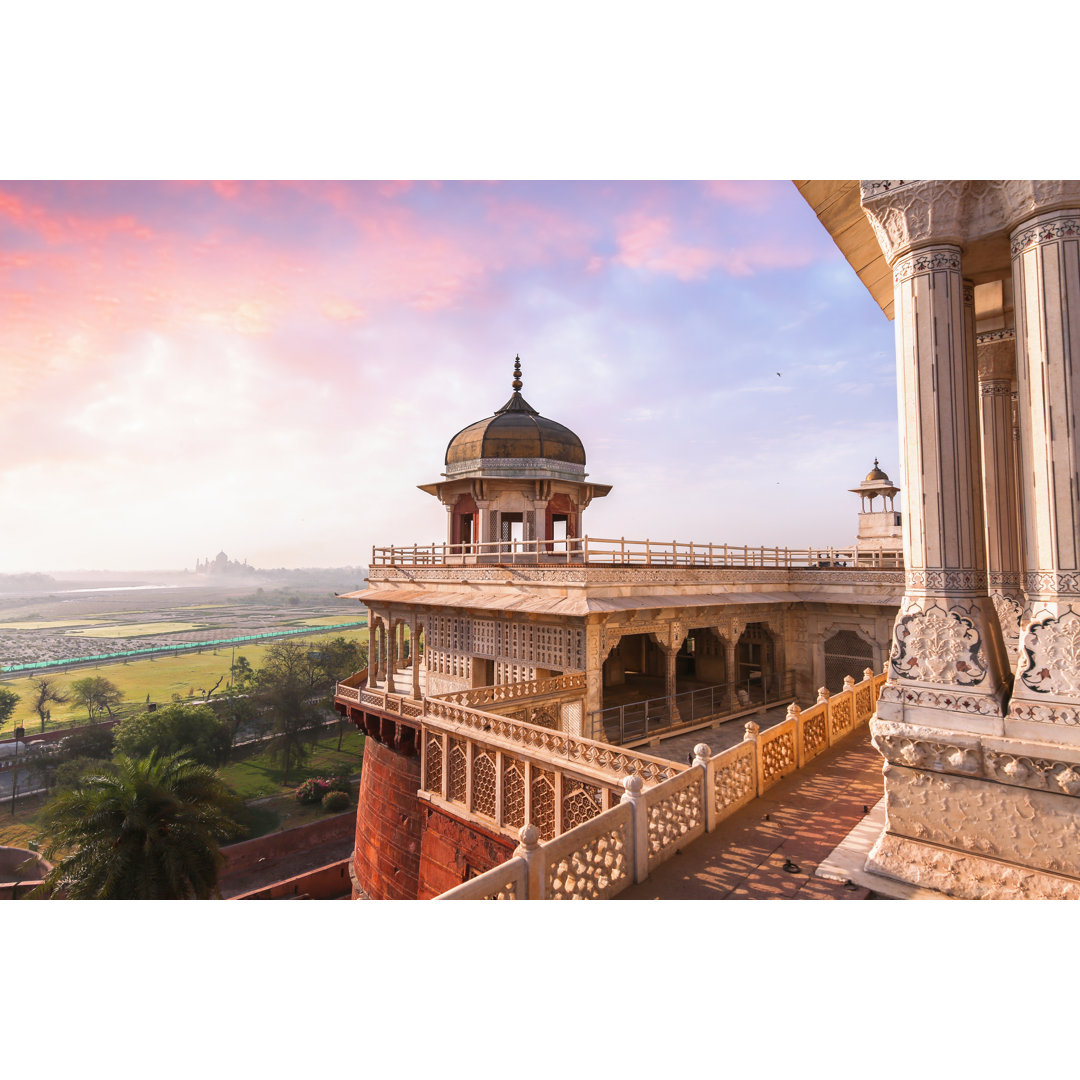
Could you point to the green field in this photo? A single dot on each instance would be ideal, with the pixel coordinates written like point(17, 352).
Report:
point(128, 630)
point(160, 677)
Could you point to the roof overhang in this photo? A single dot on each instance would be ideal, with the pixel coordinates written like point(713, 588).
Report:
point(838, 206)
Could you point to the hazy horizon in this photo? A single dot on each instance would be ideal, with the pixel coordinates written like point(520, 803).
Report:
point(278, 365)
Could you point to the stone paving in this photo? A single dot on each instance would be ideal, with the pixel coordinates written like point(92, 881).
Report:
point(770, 849)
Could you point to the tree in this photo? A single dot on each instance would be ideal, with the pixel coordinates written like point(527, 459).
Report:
point(338, 659)
point(150, 830)
point(241, 674)
point(95, 693)
point(192, 729)
point(8, 700)
point(288, 686)
point(46, 693)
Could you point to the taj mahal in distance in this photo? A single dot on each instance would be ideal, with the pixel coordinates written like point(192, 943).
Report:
point(524, 676)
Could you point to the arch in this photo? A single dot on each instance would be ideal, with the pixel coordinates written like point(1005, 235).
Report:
point(848, 651)
point(465, 521)
point(560, 511)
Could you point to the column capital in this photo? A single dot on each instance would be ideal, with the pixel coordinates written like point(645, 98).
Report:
point(910, 214)
point(1027, 199)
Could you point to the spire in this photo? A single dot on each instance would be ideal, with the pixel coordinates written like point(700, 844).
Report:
point(517, 403)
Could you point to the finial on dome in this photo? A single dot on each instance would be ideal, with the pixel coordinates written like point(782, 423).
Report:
point(516, 384)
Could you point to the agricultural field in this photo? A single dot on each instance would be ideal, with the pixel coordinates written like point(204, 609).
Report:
point(189, 674)
point(79, 624)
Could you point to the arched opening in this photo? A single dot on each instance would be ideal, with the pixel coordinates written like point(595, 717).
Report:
point(755, 663)
point(465, 524)
point(846, 653)
point(559, 522)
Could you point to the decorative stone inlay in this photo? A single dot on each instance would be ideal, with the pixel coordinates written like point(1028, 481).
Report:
point(926, 262)
point(1004, 579)
point(869, 189)
point(938, 646)
point(980, 704)
point(1051, 652)
point(1045, 232)
point(995, 388)
point(937, 579)
point(545, 465)
point(1009, 610)
point(1049, 584)
point(988, 336)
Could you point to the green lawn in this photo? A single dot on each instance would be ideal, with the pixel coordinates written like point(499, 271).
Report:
point(255, 777)
point(161, 677)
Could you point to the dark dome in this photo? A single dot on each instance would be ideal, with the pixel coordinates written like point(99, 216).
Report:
point(516, 430)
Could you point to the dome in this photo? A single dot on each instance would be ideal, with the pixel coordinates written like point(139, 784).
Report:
point(516, 430)
point(875, 474)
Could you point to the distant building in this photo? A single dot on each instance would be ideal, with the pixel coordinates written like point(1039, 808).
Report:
point(222, 564)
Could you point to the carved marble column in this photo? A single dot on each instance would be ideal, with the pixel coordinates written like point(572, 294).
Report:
point(996, 354)
point(372, 651)
point(729, 667)
point(1045, 251)
point(414, 652)
point(947, 667)
point(391, 653)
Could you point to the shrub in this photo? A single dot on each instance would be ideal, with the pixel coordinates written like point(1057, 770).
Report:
point(335, 802)
point(312, 791)
point(340, 782)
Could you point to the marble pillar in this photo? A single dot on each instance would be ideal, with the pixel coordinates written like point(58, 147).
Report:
point(1046, 287)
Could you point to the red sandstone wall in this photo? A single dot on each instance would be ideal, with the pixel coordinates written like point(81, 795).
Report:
point(248, 853)
point(452, 848)
point(330, 882)
point(386, 860)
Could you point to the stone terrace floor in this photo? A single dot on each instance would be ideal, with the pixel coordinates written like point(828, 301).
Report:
point(801, 819)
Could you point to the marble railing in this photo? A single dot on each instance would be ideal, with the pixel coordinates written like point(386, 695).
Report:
point(601, 857)
point(497, 695)
point(623, 552)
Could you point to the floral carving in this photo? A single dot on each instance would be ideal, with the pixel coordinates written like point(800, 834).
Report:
point(938, 646)
point(1051, 649)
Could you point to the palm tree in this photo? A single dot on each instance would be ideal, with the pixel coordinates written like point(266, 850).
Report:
point(148, 829)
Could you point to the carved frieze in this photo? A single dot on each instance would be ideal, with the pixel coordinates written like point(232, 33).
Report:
point(937, 579)
point(938, 646)
point(1051, 584)
point(978, 704)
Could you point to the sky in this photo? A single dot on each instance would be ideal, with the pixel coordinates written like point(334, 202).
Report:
point(270, 368)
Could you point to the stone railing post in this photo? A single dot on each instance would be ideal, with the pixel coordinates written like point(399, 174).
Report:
point(750, 735)
point(794, 713)
point(529, 849)
point(702, 755)
point(823, 696)
point(634, 794)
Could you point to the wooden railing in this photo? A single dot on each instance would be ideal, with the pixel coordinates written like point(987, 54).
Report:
point(622, 846)
point(623, 552)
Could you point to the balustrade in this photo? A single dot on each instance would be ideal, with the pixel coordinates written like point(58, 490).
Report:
point(606, 854)
point(623, 552)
